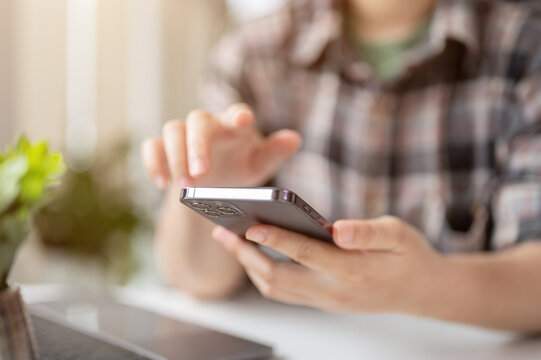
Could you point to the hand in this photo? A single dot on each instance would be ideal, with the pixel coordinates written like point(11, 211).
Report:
point(216, 150)
point(379, 265)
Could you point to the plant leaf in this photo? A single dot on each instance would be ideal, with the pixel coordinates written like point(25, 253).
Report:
point(36, 154)
point(54, 165)
point(11, 172)
point(31, 187)
point(23, 144)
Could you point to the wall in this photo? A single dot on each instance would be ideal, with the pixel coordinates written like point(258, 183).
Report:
point(149, 55)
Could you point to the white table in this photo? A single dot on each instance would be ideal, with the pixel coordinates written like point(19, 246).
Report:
point(302, 333)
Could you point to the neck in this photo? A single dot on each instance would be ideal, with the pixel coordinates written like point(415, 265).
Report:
point(385, 21)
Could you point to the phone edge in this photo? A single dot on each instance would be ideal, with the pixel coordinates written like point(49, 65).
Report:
point(277, 194)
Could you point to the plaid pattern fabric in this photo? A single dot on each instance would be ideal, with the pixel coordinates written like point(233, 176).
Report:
point(452, 145)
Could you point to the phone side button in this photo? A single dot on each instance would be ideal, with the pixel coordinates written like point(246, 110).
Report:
point(315, 216)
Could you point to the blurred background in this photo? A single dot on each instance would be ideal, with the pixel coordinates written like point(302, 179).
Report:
point(94, 78)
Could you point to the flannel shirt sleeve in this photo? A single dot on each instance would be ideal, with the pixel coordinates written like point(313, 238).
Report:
point(517, 201)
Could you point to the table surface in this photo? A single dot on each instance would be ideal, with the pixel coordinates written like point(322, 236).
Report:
point(303, 333)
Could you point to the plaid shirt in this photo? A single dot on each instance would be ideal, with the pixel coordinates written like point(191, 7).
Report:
point(452, 145)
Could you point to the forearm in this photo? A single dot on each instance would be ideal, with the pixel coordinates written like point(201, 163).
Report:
point(188, 257)
point(500, 290)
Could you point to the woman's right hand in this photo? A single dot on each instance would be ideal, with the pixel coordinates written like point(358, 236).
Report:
point(217, 150)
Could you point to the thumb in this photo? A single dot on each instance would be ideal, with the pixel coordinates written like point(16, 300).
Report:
point(275, 149)
point(385, 233)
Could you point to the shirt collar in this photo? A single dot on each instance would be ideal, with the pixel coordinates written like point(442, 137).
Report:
point(452, 20)
point(455, 20)
point(311, 39)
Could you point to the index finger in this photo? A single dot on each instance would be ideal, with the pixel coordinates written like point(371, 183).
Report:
point(310, 252)
point(200, 126)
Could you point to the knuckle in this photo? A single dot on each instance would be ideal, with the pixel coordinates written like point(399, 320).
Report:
point(271, 239)
point(197, 145)
point(395, 228)
point(237, 248)
point(178, 166)
point(399, 230)
point(269, 272)
point(352, 273)
point(303, 251)
point(267, 290)
point(364, 232)
point(389, 220)
point(240, 253)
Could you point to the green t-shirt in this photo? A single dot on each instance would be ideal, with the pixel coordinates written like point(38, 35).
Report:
point(387, 59)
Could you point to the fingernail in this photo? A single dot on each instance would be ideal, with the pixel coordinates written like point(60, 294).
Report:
point(345, 233)
point(256, 236)
point(197, 166)
point(184, 182)
point(160, 181)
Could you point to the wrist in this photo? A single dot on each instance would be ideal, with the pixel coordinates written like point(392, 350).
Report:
point(459, 289)
point(449, 290)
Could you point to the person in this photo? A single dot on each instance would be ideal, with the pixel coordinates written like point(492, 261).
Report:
point(414, 125)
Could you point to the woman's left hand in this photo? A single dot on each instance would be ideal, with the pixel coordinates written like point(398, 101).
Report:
point(379, 265)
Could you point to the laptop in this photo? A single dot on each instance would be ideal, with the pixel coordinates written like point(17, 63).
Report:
point(102, 328)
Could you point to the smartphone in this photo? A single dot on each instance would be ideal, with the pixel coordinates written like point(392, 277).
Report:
point(238, 209)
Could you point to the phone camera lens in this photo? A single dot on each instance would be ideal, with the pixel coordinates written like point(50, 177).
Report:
point(227, 211)
point(201, 206)
point(213, 213)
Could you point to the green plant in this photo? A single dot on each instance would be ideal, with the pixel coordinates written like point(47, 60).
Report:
point(93, 216)
point(26, 173)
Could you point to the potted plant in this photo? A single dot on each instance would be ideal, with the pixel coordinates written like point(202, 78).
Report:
point(27, 171)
